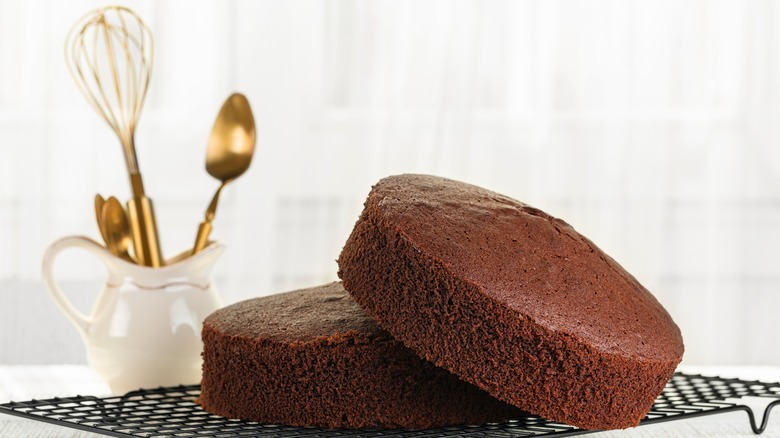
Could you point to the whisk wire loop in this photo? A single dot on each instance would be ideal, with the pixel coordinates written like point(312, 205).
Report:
point(110, 55)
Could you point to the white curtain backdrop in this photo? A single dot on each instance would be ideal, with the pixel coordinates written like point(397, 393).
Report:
point(652, 127)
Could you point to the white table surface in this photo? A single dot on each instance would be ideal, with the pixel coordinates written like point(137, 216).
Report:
point(21, 383)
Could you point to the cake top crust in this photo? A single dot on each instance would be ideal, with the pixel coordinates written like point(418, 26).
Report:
point(319, 314)
point(528, 261)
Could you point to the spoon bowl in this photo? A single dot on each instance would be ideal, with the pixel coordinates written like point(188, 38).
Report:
point(99, 203)
point(119, 237)
point(232, 141)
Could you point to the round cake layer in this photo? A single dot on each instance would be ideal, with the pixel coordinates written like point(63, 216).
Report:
point(510, 299)
point(313, 357)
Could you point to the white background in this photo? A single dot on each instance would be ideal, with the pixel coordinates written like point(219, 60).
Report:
point(651, 127)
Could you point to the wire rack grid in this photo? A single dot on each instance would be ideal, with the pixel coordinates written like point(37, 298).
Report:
point(172, 412)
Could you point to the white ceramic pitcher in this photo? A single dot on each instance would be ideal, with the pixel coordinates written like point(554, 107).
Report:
point(144, 329)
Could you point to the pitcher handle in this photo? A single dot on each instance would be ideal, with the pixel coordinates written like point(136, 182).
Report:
point(81, 321)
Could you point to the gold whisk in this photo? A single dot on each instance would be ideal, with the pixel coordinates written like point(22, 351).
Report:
point(110, 54)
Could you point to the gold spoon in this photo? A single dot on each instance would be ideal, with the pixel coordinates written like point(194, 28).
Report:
point(229, 153)
point(118, 234)
point(99, 203)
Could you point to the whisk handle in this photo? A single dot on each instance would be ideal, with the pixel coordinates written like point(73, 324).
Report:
point(137, 184)
point(146, 241)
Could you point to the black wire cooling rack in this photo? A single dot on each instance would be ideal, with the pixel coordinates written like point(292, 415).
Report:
point(172, 412)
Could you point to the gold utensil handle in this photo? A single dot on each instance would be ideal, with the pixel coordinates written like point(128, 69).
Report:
point(204, 230)
point(145, 239)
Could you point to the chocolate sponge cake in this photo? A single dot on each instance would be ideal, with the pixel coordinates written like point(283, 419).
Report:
point(510, 299)
point(313, 357)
